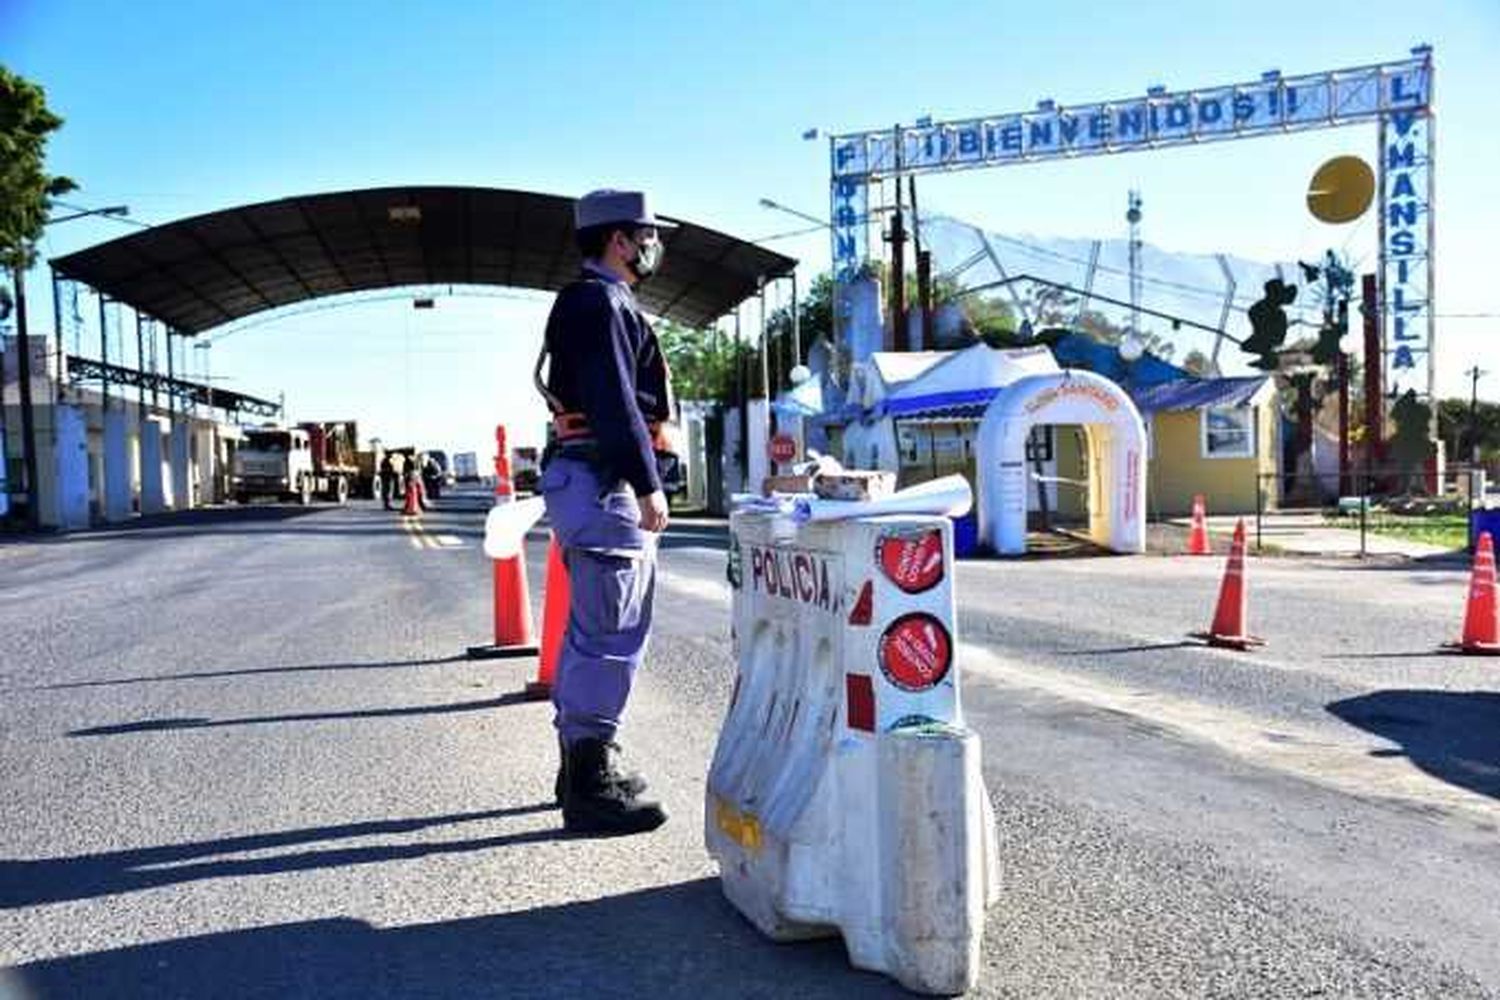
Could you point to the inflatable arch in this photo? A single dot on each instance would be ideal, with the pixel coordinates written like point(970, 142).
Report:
point(1116, 458)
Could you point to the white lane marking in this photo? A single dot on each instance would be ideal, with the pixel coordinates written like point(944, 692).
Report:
point(417, 535)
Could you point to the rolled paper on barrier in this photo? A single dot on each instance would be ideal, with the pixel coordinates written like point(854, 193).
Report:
point(506, 525)
point(949, 496)
point(779, 503)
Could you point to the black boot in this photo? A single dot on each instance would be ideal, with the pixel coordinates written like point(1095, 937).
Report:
point(631, 781)
point(597, 799)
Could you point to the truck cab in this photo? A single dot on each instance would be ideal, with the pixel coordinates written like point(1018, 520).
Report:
point(273, 461)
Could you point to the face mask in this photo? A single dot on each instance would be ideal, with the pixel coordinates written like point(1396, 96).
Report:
point(647, 258)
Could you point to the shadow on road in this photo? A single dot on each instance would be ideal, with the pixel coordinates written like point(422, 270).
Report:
point(1452, 735)
point(87, 876)
point(161, 725)
point(1144, 648)
point(1457, 562)
point(676, 941)
point(201, 674)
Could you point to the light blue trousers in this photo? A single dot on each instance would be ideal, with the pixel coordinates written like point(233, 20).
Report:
point(612, 575)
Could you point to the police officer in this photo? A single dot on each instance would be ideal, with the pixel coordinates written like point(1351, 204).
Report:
point(608, 387)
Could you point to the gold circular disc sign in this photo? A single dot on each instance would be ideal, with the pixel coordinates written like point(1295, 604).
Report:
point(1341, 190)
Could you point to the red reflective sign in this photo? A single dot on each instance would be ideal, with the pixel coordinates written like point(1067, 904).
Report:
point(912, 562)
point(916, 652)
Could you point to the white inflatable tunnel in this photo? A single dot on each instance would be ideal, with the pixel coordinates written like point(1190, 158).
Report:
point(1116, 458)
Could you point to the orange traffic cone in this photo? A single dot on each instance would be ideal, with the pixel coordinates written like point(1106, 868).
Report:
point(555, 601)
point(1228, 629)
point(413, 505)
point(1481, 615)
point(1198, 537)
point(512, 603)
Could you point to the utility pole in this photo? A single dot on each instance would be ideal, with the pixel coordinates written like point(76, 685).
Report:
point(924, 272)
point(1474, 374)
point(1374, 385)
point(899, 340)
point(28, 419)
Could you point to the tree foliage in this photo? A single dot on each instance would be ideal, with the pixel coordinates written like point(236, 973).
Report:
point(702, 361)
point(1453, 427)
point(26, 189)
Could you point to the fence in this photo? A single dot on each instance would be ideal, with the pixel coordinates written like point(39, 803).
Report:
point(1421, 505)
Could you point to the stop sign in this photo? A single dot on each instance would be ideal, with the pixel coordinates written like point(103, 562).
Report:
point(783, 448)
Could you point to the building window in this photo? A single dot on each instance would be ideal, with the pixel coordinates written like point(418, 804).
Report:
point(1228, 432)
point(906, 444)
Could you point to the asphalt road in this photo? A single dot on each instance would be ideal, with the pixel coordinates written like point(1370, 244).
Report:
point(241, 755)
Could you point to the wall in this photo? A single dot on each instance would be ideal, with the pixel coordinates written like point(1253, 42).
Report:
point(1268, 447)
point(1178, 470)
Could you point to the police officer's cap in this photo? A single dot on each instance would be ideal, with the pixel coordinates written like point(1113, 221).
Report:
point(598, 208)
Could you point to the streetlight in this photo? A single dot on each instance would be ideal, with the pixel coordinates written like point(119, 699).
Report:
point(23, 366)
point(114, 210)
point(777, 206)
point(206, 346)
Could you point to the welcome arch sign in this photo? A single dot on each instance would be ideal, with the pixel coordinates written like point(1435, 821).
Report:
point(1395, 96)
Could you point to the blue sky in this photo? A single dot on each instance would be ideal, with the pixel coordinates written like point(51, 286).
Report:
point(178, 107)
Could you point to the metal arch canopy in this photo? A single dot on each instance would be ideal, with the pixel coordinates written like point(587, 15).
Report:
point(201, 272)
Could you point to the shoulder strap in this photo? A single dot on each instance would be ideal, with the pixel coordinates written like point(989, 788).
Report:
point(553, 403)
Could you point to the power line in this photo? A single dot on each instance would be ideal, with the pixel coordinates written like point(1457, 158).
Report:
point(1195, 290)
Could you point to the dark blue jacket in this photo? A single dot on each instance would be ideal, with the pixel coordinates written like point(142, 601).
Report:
point(607, 364)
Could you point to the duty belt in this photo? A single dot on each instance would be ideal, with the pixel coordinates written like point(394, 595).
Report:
point(573, 428)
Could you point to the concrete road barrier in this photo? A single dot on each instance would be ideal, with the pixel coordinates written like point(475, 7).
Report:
point(845, 795)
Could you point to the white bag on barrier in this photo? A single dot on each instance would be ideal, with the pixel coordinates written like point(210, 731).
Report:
point(949, 496)
point(506, 525)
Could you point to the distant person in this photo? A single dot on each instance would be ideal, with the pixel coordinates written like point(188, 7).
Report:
point(608, 389)
point(432, 476)
point(387, 480)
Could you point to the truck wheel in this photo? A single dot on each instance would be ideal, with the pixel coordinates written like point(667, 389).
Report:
point(304, 491)
point(340, 490)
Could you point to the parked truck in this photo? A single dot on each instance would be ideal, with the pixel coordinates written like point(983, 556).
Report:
point(367, 479)
point(525, 468)
point(466, 467)
point(297, 463)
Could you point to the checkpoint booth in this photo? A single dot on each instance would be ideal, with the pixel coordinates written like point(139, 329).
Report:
point(845, 795)
point(1115, 454)
point(988, 415)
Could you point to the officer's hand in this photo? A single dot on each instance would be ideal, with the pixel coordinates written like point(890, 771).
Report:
point(654, 512)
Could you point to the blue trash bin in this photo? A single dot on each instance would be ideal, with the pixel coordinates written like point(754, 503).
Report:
point(965, 535)
point(1481, 520)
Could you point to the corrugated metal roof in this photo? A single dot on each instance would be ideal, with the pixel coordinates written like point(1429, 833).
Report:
point(198, 273)
point(981, 398)
point(939, 414)
point(1184, 394)
point(1194, 394)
